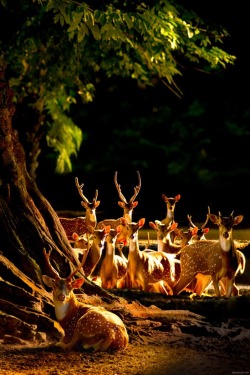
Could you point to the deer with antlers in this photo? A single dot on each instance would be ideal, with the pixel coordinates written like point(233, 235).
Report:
point(194, 233)
point(94, 327)
point(79, 224)
point(215, 259)
point(127, 206)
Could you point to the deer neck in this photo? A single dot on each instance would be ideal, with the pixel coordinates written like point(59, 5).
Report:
point(134, 245)
point(127, 214)
point(166, 245)
point(91, 218)
point(110, 250)
point(228, 253)
point(66, 308)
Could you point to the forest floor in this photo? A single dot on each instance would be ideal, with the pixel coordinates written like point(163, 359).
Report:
point(162, 342)
point(168, 336)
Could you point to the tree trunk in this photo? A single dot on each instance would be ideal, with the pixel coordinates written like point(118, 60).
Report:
point(28, 224)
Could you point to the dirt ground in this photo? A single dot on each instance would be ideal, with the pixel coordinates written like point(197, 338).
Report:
point(162, 342)
point(158, 353)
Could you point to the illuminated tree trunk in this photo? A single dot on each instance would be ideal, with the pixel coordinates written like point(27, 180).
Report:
point(28, 224)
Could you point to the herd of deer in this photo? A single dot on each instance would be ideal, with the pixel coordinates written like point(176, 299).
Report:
point(183, 261)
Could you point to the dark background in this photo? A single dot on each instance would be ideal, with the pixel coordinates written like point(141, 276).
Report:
point(196, 146)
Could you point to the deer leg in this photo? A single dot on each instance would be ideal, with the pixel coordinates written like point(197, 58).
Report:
point(216, 286)
point(201, 284)
point(230, 287)
point(182, 283)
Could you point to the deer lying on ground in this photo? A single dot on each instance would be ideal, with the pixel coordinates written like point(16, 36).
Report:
point(146, 267)
point(93, 327)
point(114, 266)
point(127, 206)
point(214, 260)
point(79, 224)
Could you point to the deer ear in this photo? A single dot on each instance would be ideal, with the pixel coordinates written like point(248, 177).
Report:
point(77, 283)
point(141, 222)
point(48, 281)
point(177, 197)
point(214, 218)
point(238, 219)
point(205, 230)
point(174, 225)
point(75, 236)
point(121, 204)
point(152, 225)
point(135, 204)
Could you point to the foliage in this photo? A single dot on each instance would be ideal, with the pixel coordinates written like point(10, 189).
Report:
point(57, 51)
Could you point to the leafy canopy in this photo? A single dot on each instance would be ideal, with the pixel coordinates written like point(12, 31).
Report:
point(57, 50)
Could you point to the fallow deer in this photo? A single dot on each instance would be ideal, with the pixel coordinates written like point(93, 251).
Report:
point(146, 268)
point(114, 266)
point(216, 258)
point(79, 224)
point(93, 327)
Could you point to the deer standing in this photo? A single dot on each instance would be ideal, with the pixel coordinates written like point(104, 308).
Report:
point(127, 206)
point(164, 242)
point(93, 254)
point(146, 267)
point(114, 266)
point(170, 205)
point(93, 327)
point(215, 258)
point(79, 224)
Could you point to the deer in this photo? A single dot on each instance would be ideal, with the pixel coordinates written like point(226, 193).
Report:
point(79, 224)
point(213, 259)
point(170, 205)
point(91, 326)
point(194, 233)
point(146, 268)
point(163, 231)
point(92, 255)
point(127, 206)
point(114, 266)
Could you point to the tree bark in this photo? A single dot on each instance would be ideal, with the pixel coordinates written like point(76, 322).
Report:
point(28, 224)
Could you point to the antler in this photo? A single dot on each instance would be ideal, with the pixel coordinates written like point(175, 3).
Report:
point(52, 269)
point(204, 224)
point(85, 199)
point(190, 221)
point(207, 219)
point(136, 189)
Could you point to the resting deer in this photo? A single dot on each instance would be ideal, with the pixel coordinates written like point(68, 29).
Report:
point(127, 206)
point(114, 266)
point(93, 327)
point(218, 259)
point(79, 224)
point(146, 268)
